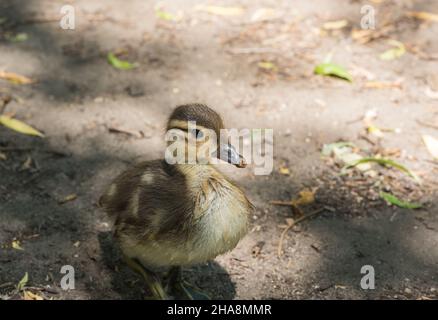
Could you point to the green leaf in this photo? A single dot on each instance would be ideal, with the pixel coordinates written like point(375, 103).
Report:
point(120, 64)
point(23, 282)
point(19, 126)
point(399, 203)
point(19, 37)
point(384, 162)
point(333, 70)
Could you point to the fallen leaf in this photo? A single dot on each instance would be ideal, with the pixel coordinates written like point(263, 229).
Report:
point(306, 196)
point(393, 53)
point(423, 15)
point(23, 282)
point(284, 170)
point(329, 149)
point(333, 70)
point(430, 93)
point(27, 164)
point(390, 152)
point(333, 25)
point(28, 295)
point(263, 14)
point(382, 85)
point(165, 15)
point(15, 78)
point(362, 35)
point(19, 126)
point(399, 203)
point(375, 131)
point(369, 116)
point(68, 198)
point(344, 152)
point(267, 65)
point(3, 156)
point(384, 162)
point(137, 134)
point(431, 144)
point(16, 245)
point(120, 64)
point(222, 11)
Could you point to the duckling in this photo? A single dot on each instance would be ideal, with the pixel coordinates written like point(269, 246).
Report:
point(175, 215)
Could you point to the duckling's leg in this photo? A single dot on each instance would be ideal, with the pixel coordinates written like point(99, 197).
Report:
point(177, 285)
point(149, 277)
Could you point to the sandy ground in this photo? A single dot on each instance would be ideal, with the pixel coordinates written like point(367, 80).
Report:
point(197, 56)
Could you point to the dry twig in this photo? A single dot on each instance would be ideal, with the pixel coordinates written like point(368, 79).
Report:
point(283, 234)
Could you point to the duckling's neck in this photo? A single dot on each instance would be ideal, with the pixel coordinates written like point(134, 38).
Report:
point(197, 174)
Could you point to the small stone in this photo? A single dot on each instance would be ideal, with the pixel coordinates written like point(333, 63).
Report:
point(135, 90)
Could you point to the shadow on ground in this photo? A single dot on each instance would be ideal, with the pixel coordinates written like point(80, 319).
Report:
point(322, 257)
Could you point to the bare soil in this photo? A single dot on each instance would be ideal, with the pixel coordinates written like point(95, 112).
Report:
point(198, 56)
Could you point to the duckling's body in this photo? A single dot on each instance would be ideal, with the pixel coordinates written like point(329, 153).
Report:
point(173, 215)
point(176, 215)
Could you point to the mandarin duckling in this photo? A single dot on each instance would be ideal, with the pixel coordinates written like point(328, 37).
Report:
point(175, 215)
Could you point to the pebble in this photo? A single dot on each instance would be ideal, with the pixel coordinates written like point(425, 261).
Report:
point(135, 90)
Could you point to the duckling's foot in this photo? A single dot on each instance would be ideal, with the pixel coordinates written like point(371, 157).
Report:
point(151, 279)
point(182, 289)
point(188, 292)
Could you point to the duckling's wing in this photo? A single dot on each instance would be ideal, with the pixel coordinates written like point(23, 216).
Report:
point(149, 199)
point(116, 198)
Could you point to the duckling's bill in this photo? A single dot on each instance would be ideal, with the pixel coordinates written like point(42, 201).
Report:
point(229, 154)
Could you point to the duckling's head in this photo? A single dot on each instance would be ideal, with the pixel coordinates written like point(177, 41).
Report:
point(199, 130)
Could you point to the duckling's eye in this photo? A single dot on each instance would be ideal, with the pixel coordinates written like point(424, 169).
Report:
point(198, 133)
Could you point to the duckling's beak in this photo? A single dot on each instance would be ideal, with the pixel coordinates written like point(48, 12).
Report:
point(229, 154)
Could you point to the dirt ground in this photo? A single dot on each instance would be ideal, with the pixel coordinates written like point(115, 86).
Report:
point(255, 67)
